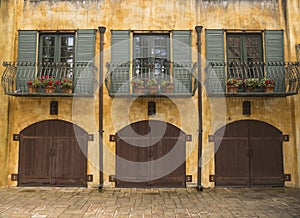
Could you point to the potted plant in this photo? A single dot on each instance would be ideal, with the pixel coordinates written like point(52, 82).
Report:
point(233, 84)
point(268, 84)
point(34, 85)
point(138, 85)
point(67, 85)
point(49, 83)
point(251, 84)
point(152, 86)
point(166, 86)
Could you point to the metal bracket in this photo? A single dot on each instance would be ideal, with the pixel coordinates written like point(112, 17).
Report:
point(188, 178)
point(91, 137)
point(285, 138)
point(16, 137)
point(112, 138)
point(188, 138)
point(287, 177)
point(112, 178)
point(211, 138)
point(89, 178)
point(212, 178)
point(14, 177)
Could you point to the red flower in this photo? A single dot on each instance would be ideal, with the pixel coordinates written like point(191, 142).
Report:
point(57, 82)
point(29, 83)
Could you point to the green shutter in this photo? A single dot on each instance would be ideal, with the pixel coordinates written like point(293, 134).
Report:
point(27, 41)
point(85, 46)
point(274, 48)
point(84, 77)
point(215, 77)
point(120, 62)
point(182, 59)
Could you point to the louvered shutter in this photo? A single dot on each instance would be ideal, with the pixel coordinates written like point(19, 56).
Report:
point(120, 62)
point(84, 78)
point(274, 48)
point(215, 77)
point(182, 61)
point(27, 41)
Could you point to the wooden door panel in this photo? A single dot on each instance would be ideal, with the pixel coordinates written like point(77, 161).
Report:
point(266, 162)
point(143, 155)
point(250, 154)
point(50, 154)
point(132, 162)
point(69, 162)
point(34, 168)
point(168, 162)
point(232, 163)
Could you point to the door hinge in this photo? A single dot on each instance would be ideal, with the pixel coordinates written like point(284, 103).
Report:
point(16, 137)
point(91, 137)
point(285, 138)
point(188, 178)
point(14, 177)
point(212, 178)
point(112, 138)
point(112, 178)
point(188, 138)
point(287, 177)
point(89, 178)
point(211, 138)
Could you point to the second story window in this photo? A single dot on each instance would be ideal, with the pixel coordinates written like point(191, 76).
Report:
point(57, 48)
point(151, 55)
point(244, 54)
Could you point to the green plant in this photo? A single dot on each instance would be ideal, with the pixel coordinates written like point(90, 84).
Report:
point(36, 82)
point(267, 82)
point(252, 83)
point(137, 83)
point(164, 83)
point(151, 82)
point(233, 82)
point(66, 83)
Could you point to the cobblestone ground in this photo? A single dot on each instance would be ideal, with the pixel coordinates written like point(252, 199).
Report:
point(82, 202)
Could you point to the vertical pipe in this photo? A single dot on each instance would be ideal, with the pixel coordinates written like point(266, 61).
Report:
point(199, 30)
point(102, 31)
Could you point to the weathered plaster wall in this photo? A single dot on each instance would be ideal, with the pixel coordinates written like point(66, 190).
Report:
point(147, 15)
point(293, 17)
point(6, 38)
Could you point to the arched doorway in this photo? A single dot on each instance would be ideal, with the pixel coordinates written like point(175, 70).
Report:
point(248, 153)
point(150, 153)
point(53, 153)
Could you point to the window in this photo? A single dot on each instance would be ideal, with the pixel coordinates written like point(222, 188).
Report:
point(151, 55)
point(160, 55)
point(244, 55)
point(57, 49)
point(57, 54)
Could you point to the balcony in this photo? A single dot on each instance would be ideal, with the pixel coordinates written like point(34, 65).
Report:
point(121, 79)
point(285, 76)
point(17, 74)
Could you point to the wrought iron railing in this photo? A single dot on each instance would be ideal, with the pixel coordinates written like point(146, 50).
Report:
point(285, 76)
point(16, 76)
point(121, 79)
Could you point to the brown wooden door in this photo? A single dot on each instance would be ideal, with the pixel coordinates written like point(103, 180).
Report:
point(248, 153)
point(53, 153)
point(150, 154)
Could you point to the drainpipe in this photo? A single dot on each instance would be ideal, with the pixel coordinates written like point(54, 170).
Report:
point(102, 31)
point(199, 29)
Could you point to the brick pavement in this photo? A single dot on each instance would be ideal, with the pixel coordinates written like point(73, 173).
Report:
point(88, 202)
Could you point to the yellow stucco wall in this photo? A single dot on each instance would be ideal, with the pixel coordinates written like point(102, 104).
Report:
point(283, 113)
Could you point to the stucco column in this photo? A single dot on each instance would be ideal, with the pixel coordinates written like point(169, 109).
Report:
point(199, 30)
point(102, 31)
